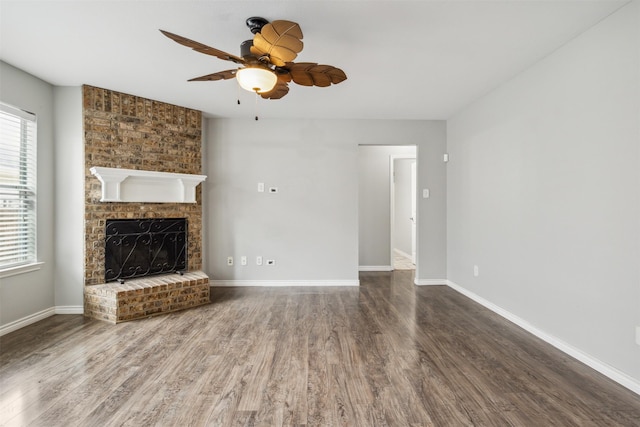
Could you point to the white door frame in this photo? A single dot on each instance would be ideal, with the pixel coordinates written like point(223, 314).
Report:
point(414, 210)
point(392, 159)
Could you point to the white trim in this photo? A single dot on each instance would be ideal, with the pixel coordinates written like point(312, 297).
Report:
point(283, 283)
point(69, 309)
point(375, 268)
point(23, 114)
point(26, 321)
point(21, 269)
point(36, 317)
point(605, 369)
point(430, 282)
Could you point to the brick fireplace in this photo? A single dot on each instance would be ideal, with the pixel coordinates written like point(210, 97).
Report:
point(129, 132)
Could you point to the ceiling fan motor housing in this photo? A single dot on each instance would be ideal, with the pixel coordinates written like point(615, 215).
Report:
point(255, 24)
point(245, 48)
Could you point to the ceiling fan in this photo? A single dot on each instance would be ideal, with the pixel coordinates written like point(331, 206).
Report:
point(266, 66)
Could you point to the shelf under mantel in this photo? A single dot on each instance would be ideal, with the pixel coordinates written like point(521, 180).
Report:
point(131, 185)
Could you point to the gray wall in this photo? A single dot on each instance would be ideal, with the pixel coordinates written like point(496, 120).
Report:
point(69, 197)
point(311, 226)
point(29, 293)
point(544, 194)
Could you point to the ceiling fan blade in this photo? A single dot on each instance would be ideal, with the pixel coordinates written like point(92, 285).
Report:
point(281, 41)
point(220, 75)
point(313, 74)
point(203, 48)
point(280, 89)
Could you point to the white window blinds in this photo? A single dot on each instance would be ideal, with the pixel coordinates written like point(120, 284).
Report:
point(17, 187)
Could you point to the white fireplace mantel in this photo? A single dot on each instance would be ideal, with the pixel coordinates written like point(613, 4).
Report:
point(130, 185)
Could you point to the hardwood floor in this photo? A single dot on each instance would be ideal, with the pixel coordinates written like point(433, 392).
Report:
point(401, 262)
point(386, 353)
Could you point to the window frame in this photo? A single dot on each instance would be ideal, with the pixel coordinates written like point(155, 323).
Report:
point(25, 187)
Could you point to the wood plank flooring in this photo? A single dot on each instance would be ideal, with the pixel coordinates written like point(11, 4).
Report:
point(384, 354)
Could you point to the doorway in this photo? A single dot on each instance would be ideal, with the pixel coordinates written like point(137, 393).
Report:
point(377, 210)
point(403, 172)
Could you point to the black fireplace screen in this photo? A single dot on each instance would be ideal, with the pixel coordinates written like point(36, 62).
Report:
point(144, 247)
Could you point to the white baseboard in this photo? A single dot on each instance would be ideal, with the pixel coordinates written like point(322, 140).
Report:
point(69, 309)
point(430, 282)
point(27, 320)
point(605, 369)
point(282, 283)
point(36, 317)
point(375, 268)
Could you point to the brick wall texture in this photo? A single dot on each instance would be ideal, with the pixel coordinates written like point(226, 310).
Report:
point(146, 296)
point(130, 132)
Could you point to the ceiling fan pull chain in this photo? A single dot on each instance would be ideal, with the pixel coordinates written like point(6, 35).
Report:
point(238, 89)
point(256, 106)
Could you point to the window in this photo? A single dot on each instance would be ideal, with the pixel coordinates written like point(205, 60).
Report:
point(17, 187)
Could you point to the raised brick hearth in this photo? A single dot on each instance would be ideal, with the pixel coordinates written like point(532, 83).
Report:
point(147, 296)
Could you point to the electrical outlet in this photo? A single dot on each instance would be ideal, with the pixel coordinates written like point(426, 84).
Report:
point(243, 260)
point(271, 262)
point(261, 187)
point(258, 260)
point(229, 260)
point(476, 271)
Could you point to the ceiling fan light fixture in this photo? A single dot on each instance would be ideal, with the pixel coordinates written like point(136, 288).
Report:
point(256, 79)
point(265, 63)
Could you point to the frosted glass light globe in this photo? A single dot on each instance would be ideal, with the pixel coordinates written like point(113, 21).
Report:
point(256, 79)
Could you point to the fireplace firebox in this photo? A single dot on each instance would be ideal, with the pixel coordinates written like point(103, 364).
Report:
point(144, 247)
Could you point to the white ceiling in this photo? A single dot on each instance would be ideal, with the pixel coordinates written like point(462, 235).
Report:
point(403, 59)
